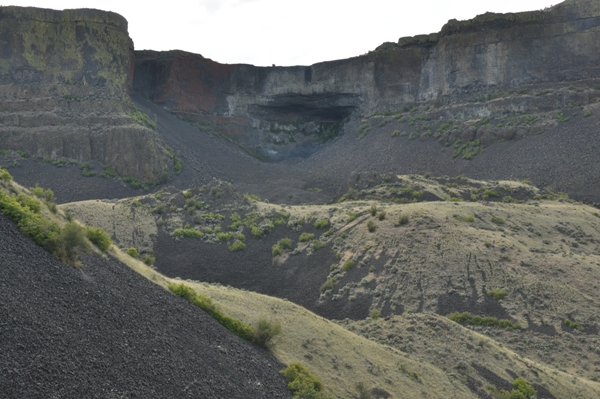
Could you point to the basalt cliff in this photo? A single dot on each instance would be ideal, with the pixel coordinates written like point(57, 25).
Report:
point(65, 79)
point(263, 108)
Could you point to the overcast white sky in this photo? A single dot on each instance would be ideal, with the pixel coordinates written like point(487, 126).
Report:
point(284, 32)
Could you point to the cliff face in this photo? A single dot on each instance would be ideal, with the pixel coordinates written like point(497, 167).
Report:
point(276, 111)
point(64, 82)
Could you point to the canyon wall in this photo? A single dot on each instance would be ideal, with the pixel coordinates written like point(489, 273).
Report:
point(65, 79)
point(271, 111)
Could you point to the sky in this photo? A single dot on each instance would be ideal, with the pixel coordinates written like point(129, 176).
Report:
point(284, 32)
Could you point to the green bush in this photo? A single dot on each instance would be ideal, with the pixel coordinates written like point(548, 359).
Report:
point(177, 166)
point(497, 220)
point(72, 240)
point(225, 237)
point(304, 237)
point(133, 252)
point(5, 176)
point(490, 193)
point(375, 314)
point(328, 285)
point(47, 195)
point(265, 332)
point(371, 226)
point(497, 294)
point(348, 265)
point(321, 224)
point(316, 244)
point(45, 233)
point(34, 205)
point(109, 171)
point(467, 318)
point(205, 303)
point(98, 237)
point(373, 210)
point(351, 216)
point(576, 325)
point(149, 260)
point(403, 220)
point(187, 194)
point(236, 246)
point(188, 233)
point(283, 244)
point(256, 232)
point(381, 215)
point(302, 382)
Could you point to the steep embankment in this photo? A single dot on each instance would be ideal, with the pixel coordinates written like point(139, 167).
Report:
point(103, 331)
point(64, 82)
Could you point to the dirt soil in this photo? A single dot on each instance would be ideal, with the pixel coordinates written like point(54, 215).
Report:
point(103, 331)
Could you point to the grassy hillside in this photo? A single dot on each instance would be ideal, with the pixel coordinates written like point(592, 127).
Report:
point(504, 250)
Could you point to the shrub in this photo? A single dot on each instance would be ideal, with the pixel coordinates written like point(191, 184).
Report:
point(403, 220)
point(236, 246)
point(133, 252)
point(375, 314)
point(47, 195)
point(149, 260)
point(98, 237)
point(304, 237)
point(109, 171)
point(5, 176)
point(497, 294)
point(371, 226)
point(205, 303)
point(188, 233)
point(225, 237)
point(72, 240)
point(381, 215)
point(373, 210)
point(490, 193)
point(467, 318)
point(576, 325)
point(321, 224)
point(177, 166)
point(265, 332)
point(187, 194)
point(256, 232)
point(351, 216)
point(497, 220)
point(160, 209)
point(284, 243)
point(44, 232)
point(348, 265)
point(488, 244)
point(316, 244)
point(302, 382)
point(34, 205)
point(417, 194)
point(328, 285)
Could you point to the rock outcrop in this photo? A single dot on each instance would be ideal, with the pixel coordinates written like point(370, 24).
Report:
point(65, 77)
point(276, 112)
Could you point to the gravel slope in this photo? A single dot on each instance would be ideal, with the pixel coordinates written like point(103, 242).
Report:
point(103, 331)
